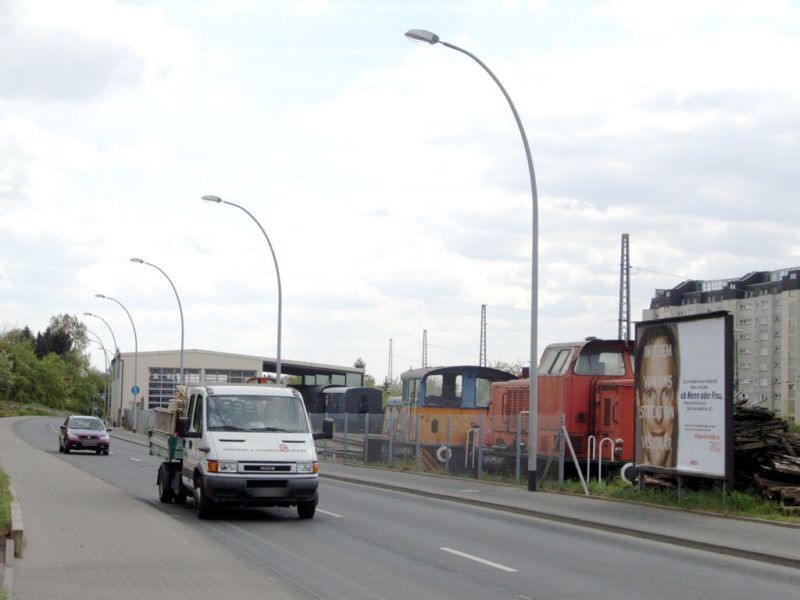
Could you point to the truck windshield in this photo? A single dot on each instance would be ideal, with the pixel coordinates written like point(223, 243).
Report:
point(256, 413)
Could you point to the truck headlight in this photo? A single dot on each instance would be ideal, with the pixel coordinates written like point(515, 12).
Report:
point(221, 466)
point(307, 467)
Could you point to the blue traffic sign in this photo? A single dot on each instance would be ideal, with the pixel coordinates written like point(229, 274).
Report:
point(135, 390)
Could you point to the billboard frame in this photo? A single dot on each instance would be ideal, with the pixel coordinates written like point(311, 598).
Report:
point(728, 400)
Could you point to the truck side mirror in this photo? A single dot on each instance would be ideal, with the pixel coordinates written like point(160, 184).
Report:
point(327, 430)
point(183, 426)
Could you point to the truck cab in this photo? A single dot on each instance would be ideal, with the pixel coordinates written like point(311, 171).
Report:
point(244, 445)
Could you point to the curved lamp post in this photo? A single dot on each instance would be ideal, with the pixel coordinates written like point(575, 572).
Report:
point(218, 200)
point(180, 308)
point(135, 388)
point(116, 353)
point(88, 314)
point(431, 38)
point(108, 375)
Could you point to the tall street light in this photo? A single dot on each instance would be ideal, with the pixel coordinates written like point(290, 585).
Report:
point(105, 356)
point(88, 314)
point(135, 389)
point(116, 354)
point(180, 308)
point(218, 200)
point(432, 38)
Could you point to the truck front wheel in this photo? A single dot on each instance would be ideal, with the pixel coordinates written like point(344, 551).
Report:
point(306, 510)
point(203, 505)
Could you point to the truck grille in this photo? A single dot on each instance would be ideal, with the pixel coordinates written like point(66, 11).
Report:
point(266, 468)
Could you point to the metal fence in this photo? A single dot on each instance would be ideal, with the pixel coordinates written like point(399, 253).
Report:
point(476, 446)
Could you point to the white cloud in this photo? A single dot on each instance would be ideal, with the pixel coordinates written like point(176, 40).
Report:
point(390, 178)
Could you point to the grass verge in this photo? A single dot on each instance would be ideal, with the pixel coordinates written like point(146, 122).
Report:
point(16, 409)
point(5, 504)
point(743, 504)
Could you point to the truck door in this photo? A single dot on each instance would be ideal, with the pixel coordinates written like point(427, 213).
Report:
point(191, 452)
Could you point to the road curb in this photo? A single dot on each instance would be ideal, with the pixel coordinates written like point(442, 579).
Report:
point(17, 528)
point(636, 533)
point(13, 547)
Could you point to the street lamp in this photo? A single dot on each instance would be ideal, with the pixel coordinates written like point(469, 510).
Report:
point(180, 308)
point(88, 314)
point(108, 376)
point(218, 200)
point(135, 388)
point(431, 38)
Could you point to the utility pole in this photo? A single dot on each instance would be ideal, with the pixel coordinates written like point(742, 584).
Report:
point(389, 376)
point(625, 290)
point(424, 347)
point(482, 352)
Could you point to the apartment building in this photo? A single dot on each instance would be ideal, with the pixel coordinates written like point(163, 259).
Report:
point(764, 305)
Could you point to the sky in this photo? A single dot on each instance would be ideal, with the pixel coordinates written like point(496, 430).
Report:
point(389, 175)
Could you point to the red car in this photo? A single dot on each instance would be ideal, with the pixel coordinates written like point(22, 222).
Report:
point(83, 433)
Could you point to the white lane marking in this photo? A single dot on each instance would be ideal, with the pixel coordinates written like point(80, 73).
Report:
point(330, 514)
point(480, 560)
point(136, 459)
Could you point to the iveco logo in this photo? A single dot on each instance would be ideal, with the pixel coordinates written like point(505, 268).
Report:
point(267, 468)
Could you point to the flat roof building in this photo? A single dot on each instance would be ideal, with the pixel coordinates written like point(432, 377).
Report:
point(765, 310)
point(159, 373)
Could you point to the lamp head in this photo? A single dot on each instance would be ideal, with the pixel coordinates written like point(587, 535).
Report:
point(88, 314)
point(99, 296)
point(421, 35)
point(137, 260)
point(210, 198)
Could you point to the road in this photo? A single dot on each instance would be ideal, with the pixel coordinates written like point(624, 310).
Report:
point(372, 543)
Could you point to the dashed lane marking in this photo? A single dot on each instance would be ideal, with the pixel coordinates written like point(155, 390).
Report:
point(330, 514)
point(483, 561)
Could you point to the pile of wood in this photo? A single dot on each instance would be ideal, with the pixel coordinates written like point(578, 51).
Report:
point(766, 455)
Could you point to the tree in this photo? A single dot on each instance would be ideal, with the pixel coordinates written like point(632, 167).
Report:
point(6, 373)
point(360, 364)
point(53, 342)
point(514, 366)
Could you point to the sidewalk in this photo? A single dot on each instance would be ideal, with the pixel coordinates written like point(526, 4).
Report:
point(774, 543)
point(86, 539)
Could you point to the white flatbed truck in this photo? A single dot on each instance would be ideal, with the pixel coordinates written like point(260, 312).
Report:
point(238, 445)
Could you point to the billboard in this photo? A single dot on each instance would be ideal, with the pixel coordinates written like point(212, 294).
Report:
point(684, 406)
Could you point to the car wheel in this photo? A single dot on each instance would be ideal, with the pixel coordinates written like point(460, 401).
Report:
point(306, 510)
point(97, 451)
point(164, 490)
point(203, 505)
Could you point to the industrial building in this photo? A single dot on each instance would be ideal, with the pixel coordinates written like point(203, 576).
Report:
point(764, 305)
point(156, 374)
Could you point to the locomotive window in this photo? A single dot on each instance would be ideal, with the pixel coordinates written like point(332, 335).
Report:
point(600, 362)
point(482, 392)
point(555, 361)
point(443, 390)
point(410, 391)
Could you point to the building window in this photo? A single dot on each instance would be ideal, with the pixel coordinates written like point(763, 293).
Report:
point(764, 351)
point(763, 382)
point(227, 376)
point(161, 385)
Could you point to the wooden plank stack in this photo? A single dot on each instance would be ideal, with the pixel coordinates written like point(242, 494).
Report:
point(766, 455)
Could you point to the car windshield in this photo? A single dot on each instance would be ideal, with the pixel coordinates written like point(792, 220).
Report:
point(86, 423)
point(256, 413)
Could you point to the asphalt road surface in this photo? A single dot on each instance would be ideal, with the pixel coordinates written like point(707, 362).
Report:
point(373, 543)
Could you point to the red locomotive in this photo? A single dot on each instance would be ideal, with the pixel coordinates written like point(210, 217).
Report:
point(590, 383)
